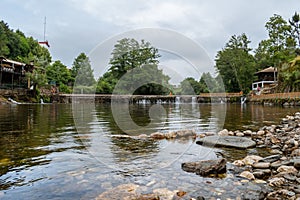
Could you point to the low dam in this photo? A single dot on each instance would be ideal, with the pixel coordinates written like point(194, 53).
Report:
point(139, 99)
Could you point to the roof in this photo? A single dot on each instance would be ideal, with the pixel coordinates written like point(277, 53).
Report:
point(12, 61)
point(267, 70)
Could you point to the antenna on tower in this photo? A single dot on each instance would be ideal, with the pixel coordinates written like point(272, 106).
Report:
point(45, 41)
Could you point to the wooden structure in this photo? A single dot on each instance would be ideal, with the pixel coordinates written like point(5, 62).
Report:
point(13, 74)
point(266, 78)
point(290, 95)
point(108, 98)
point(220, 97)
point(238, 94)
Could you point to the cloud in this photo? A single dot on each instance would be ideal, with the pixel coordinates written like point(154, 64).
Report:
point(74, 26)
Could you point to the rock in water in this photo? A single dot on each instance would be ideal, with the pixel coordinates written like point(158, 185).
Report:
point(126, 191)
point(227, 141)
point(206, 167)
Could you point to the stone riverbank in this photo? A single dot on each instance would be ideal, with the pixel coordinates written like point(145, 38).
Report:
point(276, 176)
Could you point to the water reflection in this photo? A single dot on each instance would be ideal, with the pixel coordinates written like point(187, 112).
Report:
point(28, 134)
point(54, 149)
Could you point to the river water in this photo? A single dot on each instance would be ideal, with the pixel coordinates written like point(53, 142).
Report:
point(65, 151)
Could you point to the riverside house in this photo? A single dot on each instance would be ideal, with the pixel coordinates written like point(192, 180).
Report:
point(13, 74)
point(266, 78)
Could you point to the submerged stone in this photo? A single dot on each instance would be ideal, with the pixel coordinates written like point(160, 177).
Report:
point(206, 167)
point(227, 141)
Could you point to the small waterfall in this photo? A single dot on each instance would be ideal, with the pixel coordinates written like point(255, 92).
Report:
point(13, 101)
point(194, 100)
point(243, 100)
point(143, 101)
point(177, 100)
point(42, 101)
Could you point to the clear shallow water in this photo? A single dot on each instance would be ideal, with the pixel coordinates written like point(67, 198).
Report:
point(56, 151)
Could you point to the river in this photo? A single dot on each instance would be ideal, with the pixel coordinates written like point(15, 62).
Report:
point(65, 151)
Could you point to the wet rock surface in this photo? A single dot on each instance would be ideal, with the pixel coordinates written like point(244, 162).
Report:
point(279, 171)
point(227, 141)
point(274, 175)
point(206, 167)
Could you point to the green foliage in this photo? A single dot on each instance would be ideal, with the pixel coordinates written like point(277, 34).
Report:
point(15, 45)
point(60, 74)
point(147, 79)
point(129, 54)
point(289, 76)
point(295, 25)
point(82, 71)
point(189, 86)
point(279, 47)
point(206, 84)
point(82, 74)
point(236, 65)
point(138, 59)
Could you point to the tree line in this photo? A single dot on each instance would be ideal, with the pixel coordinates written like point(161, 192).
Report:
point(16, 46)
point(133, 66)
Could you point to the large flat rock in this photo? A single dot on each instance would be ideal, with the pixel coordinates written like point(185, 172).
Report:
point(227, 141)
point(206, 167)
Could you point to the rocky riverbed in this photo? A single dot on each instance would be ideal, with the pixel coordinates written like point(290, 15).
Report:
point(276, 176)
point(279, 171)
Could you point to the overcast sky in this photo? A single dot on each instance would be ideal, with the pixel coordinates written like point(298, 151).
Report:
point(75, 26)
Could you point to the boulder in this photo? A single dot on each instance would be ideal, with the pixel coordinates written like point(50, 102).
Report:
point(227, 141)
point(206, 167)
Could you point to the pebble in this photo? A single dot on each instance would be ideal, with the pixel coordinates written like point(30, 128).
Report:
point(224, 132)
point(276, 151)
point(248, 175)
point(287, 169)
point(276, 181)
point(271, 158)
point(261, 165)
point(297, 163)
point(262, 173)
point(260, 133)
point(259, 181)
point(240, 134)
point(289, 177)
point(248, 132)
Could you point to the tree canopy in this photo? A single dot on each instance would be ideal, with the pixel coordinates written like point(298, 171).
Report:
point(236, 65)
point(137, 62)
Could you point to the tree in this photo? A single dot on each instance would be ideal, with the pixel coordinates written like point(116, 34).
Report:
point(82, 75)
point(289, 78)
point(236, 65)
point(82, 71)
point(4, 50)
point(189, 86)
point(295, 24)
point(210, 84)
point(128, 54)
point(60, 74)
point(144, 80)
point(279, 47)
